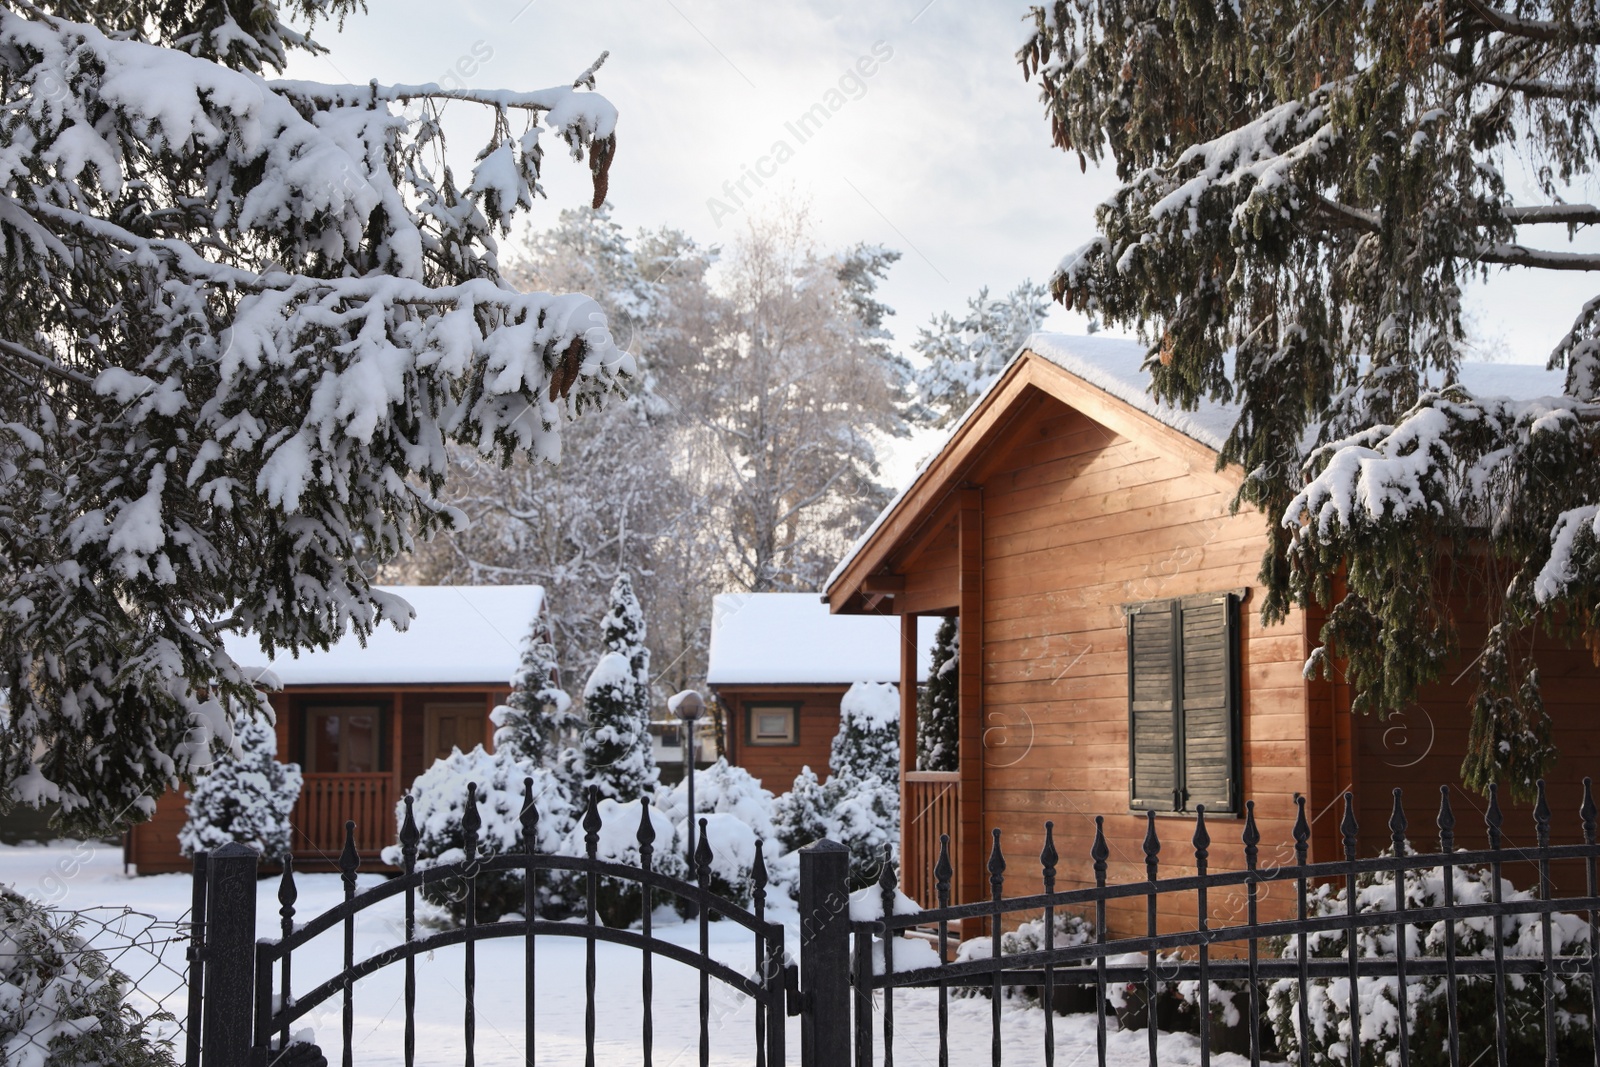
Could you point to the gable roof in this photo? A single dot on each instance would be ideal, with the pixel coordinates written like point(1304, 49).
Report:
point(1105, 378)
point(461, 634)
point(791, 639)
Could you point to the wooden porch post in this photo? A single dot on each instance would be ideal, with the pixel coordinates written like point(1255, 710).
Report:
point(971, 858)
point(908, 730)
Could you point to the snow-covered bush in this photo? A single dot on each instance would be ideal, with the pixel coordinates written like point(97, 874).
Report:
point(619, 903)
point(862, 796)
point(723, 788)
point(614, 753)
point(938, 705)
point(1328, 1002)
point(439, 801)
point(868, 742)
point(537, 717)
point(800, 816)
point(245, 798)
point(1071, 930)
point(62, 1004)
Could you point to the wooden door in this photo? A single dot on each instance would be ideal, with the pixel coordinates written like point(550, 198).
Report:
point(451, 726)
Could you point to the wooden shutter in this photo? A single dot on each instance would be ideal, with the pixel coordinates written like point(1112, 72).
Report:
point(1208, 719)
point(1153, 782)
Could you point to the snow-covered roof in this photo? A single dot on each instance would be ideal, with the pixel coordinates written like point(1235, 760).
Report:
point(461, 633)
point(790, 638)
point(1116, 365)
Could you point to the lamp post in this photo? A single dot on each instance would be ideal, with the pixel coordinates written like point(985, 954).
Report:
point(688, 706)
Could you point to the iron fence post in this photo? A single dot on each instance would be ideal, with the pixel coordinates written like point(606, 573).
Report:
point(228, 1029)
point(824, 955)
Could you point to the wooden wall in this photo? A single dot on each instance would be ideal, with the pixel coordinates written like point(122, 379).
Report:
point(1422, 748)
point(777, 765)
point(1077, 521)
point(153, 846)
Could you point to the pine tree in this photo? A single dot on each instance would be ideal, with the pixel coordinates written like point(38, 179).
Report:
point(244, 317)
point(1307, 192)
point(863, 792)
point(614, 753)
point(246, 799)
point(537, 715)
point(800, 816)
point(966, 355)
point(938, 705)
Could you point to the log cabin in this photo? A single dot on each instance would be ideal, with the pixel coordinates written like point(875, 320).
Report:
point(1113, 658)
point(363, 721)
point(779, 663)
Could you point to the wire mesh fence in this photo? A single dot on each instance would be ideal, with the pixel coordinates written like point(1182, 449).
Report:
point(69, 966)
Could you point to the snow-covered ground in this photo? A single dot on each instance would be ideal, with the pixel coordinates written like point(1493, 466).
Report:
point(83, 875)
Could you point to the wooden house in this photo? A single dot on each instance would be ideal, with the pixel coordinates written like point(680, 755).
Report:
point(779, 664)
point(363, 721)
point(1113, 658)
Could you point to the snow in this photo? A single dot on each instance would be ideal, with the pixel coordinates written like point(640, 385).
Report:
point(459, 634)
point(88, 875)
point(873, 705)
point(790, 638)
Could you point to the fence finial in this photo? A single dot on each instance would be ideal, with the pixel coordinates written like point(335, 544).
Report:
point(1099, 851)
point(410, 836)
point(1349, 829)
point(647, 830)
point(592, 823)
point(1302, 829)
point(1251, 835)
point(1541, 816)
point(1587, 812)
point(1397, 824)
point(287, 894)
point(702, 855)
point(529, 818)
point(888, 882)
point(997, 863)
point(1492, 818)
point(1202, 837)
point(1152, 845)
point(1048, 857)
point(943, 872)
point(471, 822)
point(349, 858)
point(1447, 822)
point(758, 872)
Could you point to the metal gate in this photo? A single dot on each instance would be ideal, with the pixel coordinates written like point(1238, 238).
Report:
point(242, 990)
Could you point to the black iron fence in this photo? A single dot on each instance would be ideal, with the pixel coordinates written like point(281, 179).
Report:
point(1295, 958)
point(1493, 965)
point(245, 980)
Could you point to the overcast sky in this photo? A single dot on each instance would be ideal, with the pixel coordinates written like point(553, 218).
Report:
point(943, 152)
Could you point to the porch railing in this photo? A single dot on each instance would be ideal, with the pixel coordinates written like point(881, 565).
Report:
point(329, 800)
point(930, 808)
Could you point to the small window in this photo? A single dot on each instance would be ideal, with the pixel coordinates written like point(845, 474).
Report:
point(1183, 704)
point(773, 724)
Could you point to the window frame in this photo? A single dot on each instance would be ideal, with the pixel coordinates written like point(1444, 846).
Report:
point(755, 707)
point(1180, 802)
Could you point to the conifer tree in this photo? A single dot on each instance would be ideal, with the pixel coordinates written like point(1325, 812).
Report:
point(614, 753)
point(800, 816)
point(246, 799)
point(1308, 191)
point(538, 714)
point(243, 319)
point(966, 355)
point(863, 792)
point(938, 705)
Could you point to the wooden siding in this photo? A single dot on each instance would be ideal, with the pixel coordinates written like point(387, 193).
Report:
point(153, 846)
point(1077, 520)
point(777, 765)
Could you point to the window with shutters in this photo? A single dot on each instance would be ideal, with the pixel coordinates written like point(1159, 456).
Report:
point(1183, 704)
